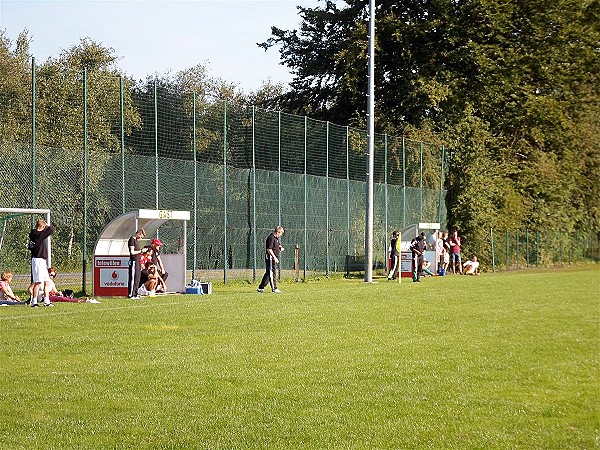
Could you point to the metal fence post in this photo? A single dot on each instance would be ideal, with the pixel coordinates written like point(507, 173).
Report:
point(195, 186)
point(385, 186)
point(527, 247)
point(561, 248)
point(279, 179)
point(327, 253)
point(441, 185)
point(537, 248)
point(403, 183)
point(33, 149)
point(279, 169)
point(156, 140)
point(493, 258)
point(121, 107)
point(421, 183)
point(84, 259)
point(305, 198)
point(254, 263)
point(517, 250)
point(348, 190)
point(507, 255)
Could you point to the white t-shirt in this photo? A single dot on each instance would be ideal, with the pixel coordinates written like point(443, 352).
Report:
point(473, 264)
point(439, 246)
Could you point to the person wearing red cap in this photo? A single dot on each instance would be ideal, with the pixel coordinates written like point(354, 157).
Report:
point(155, 246)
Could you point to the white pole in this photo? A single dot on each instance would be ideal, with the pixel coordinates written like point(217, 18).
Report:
point(370, 147)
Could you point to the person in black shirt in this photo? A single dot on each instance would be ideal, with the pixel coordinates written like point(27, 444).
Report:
point(273, 248)
point(133, 280)
point(394, 254)
point(39, 264)
point(417, 247)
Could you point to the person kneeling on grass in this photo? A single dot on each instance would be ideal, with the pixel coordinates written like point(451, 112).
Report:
point(153, 282)
point(471, 267)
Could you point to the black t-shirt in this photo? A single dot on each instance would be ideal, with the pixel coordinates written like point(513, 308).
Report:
point(393, 244)
point(40, 246)
point(133, 242)
point(273, 244)
point(417, 246)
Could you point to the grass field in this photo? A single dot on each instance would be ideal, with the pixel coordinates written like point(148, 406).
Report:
point(507, 360)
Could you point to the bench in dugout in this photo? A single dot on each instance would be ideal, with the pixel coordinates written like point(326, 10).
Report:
point(355, 264)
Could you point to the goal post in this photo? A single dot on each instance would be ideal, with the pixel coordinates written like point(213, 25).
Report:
point(9, 213)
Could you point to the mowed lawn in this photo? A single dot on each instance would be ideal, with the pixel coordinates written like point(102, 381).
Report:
point(507, 360)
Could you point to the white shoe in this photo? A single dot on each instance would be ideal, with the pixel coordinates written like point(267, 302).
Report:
point(276, 291)
point(262, 291)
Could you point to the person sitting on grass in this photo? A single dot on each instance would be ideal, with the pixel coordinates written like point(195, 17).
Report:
point(153, 282)
point(7, 296)
point(426, 270)
point(471, 267)
point(66, 296)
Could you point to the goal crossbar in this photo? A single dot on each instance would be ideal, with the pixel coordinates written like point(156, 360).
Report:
point(31, 211)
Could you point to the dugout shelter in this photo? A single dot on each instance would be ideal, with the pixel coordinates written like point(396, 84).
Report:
point(410, 232)
point(111, 254)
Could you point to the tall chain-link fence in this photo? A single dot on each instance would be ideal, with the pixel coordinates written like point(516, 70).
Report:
point(92, 149)
point(513, 249)
point(104, 147)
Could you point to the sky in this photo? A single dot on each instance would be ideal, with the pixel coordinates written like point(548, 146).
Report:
point(158, 37)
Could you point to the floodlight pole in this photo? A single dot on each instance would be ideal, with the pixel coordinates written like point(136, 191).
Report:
point(85, 161)
point(370, 148)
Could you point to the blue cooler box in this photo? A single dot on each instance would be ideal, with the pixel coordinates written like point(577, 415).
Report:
point(204, 288)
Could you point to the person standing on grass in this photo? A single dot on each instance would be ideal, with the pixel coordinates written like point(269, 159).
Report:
point(133, 280)
point(417, 247)
point(38, 245)
point(273, 249)
point(440, 253)
point(394, 254)
point(455, 244)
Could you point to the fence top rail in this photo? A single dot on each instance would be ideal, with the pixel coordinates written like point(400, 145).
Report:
point(24, 210)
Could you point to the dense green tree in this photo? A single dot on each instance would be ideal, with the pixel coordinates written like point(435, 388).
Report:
point(15, 89)
point(59, 133)
point(170, 99)
point(512, 85)
point(60, 99)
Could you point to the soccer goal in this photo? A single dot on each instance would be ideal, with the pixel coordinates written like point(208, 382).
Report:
point(15, 224)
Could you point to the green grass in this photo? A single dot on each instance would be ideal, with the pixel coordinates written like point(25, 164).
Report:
point(506, 360)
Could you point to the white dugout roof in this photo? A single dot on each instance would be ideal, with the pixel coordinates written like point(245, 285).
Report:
point(113, 239)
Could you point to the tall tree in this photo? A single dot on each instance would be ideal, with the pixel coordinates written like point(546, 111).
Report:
point(523, 72)
point(60, 137)
point(15, 88)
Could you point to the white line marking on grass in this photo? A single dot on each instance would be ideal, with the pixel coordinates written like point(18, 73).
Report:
point(35, 314)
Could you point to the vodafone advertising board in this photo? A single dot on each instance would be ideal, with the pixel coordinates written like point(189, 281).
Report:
point(110, 275)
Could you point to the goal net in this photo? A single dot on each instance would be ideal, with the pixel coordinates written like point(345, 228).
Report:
point(15, 224)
